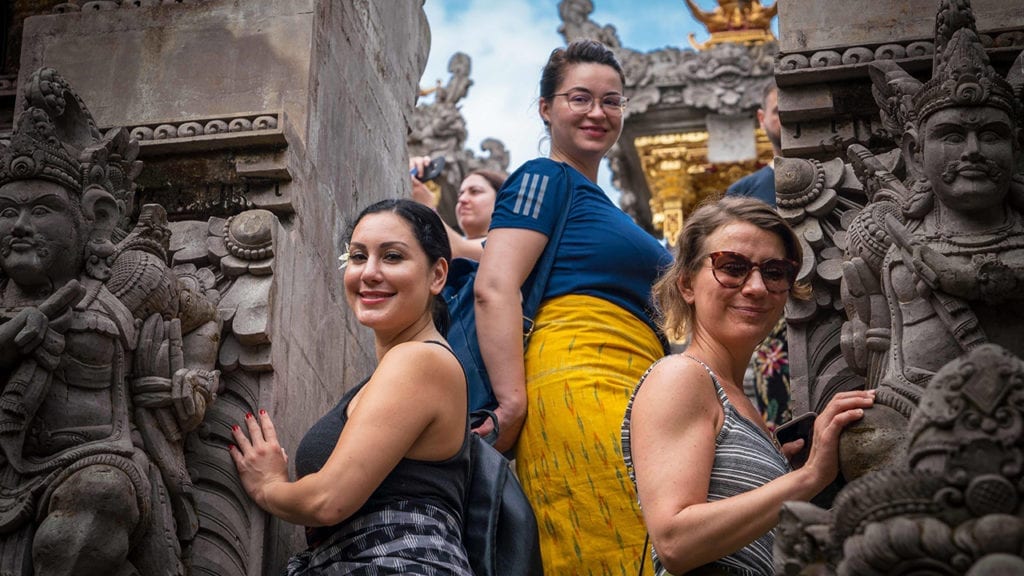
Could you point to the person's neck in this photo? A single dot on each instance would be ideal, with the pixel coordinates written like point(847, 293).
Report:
point(421, 330)
point(729, 365)
point(586, 167)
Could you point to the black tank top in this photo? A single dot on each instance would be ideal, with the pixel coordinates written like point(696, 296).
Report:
point(441, 484)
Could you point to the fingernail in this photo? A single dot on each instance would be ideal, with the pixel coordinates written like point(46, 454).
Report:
point(235, 427)
point(231, 447)
point(249, 415)
point(262, 412)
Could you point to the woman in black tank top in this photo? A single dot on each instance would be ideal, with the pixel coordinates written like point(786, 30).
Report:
point(382, 477)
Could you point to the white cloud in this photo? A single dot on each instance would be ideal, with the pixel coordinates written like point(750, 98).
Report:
point(508, 43)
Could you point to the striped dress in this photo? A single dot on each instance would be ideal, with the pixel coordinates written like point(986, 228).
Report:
point(745, 459)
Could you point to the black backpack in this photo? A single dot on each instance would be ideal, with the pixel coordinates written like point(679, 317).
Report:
point(499, 530)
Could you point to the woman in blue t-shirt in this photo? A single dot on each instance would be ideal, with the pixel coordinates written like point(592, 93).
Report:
point(563, 397)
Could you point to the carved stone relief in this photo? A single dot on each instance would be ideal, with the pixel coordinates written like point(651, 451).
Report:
point(123, 365)
point(916, 256)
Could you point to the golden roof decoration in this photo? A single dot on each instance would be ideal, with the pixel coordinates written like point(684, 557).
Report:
point(736, 21)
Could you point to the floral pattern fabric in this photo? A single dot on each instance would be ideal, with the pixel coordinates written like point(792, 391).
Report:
point(771, 377)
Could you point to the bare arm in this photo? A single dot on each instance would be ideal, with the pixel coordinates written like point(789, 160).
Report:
point(676, 417)
point(510, 256)
point(463, 247)
point(413, 406)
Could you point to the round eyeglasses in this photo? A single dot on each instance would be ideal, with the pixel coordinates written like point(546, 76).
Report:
point(732, 270)
point(582, 102)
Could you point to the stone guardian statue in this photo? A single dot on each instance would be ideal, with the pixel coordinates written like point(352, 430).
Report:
point(945, 250)
point(79, 494)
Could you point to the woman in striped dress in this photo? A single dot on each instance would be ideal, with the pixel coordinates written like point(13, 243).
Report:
point(710, 478)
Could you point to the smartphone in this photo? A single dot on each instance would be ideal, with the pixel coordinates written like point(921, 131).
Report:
point(432, 170)
point(800, 427)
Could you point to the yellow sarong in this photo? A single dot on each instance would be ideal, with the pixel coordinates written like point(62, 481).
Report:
point(583, 360)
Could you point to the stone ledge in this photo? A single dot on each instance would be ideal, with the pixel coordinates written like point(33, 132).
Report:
point(809, 66)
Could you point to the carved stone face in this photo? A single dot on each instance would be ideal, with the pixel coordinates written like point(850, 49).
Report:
point(967, 154)
point(40, 240)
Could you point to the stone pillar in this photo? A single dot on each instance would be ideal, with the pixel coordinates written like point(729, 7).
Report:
point(267, 122)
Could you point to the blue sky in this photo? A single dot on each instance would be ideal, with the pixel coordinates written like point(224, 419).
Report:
point(509, 41)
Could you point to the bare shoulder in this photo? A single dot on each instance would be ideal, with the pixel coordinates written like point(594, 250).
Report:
point(422, 364)
point(679, 385)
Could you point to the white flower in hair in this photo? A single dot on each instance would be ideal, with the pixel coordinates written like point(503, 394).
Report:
point(343, 258)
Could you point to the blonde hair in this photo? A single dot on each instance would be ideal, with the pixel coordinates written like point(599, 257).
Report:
point(674, 314)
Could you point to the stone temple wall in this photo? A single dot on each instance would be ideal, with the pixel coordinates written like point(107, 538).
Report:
point(298, 107)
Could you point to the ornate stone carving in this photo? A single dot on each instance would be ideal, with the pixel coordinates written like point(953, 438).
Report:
point(953, 236)
point(954, 507)
point(113, 444)
point(923, 248)
point(439, 129)
point(67, 412)
point(206, 126)
point(216, 166)
point(576, 24)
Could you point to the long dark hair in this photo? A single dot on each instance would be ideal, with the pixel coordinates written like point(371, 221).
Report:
point(429, 232)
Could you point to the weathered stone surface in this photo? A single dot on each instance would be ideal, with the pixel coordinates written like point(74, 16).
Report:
point(930, 269)
point(730, 138)
point(299, 108)
point(803, 25)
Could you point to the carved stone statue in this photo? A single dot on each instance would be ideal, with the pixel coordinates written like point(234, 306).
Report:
point(932, 280)
point(953, 506)
point(951, 275)
point(92, 477)
point(576, 23)
point(438, 129)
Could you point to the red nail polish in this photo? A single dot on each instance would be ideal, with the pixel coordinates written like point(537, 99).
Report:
point(262, 412)
point(249, 415)
point(231, 447)
point(234, 427)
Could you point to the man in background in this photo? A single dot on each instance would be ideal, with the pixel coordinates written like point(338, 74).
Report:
point(761, 184)
point(767, 378)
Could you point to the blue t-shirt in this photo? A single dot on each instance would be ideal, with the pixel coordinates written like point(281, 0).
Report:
point(760, 185)
point(602, 253)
